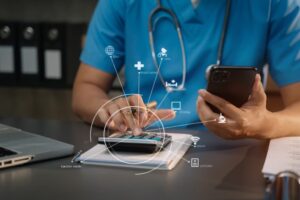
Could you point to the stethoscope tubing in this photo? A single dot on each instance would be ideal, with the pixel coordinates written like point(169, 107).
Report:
point(175, 21)
point(160, 8)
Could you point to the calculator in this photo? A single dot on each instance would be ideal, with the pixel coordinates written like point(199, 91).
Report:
point(147, 142)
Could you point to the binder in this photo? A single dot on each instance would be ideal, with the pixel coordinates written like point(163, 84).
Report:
point(53, 54)
point(74, 37)
point(8, 53)
point(30, 58)
point(62, 45)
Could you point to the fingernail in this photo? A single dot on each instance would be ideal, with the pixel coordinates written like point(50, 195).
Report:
point(202, 92)
point(137, 131)
point(199, 100)
point(258, 76)
point(122, 127)
point(173, 114)
point(112, 124)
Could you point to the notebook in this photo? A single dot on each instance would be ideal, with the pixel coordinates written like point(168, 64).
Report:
point(283, 155)
point(166, 159)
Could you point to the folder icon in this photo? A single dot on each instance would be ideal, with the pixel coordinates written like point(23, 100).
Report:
point(8, 53)
point(30, 60)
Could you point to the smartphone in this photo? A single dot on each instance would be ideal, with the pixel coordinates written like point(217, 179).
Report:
point(231, 83)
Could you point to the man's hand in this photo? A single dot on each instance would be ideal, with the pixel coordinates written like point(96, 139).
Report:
point(251, 120)
point(119, 115)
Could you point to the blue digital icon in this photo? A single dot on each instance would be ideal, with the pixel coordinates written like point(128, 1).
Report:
point(139, 65)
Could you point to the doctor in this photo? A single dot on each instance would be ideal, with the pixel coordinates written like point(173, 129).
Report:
point(191, 35)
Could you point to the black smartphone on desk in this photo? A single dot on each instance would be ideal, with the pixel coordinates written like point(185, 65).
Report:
point(231, 83)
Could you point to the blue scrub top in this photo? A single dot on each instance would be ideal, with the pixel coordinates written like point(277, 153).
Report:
point(259, 32)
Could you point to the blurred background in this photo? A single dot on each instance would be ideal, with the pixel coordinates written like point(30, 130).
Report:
point(40, 43)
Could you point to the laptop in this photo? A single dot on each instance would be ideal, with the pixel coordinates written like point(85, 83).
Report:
point(18, 147)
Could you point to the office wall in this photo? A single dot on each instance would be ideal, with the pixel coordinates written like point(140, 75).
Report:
point(47, 10)
point(38, 102)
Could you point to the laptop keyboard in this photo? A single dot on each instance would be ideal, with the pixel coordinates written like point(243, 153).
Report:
point(6, 152)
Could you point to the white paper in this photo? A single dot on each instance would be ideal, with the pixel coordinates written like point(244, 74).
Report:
point(7, 64)
point(283, 155)
point(166, 159)
point(29, 60)
point(53, 67)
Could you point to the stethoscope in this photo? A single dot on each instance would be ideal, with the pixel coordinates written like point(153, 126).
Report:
point(159, 8)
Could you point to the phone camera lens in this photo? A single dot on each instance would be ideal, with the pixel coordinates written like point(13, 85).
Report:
point(217, 76)
point(220, 76)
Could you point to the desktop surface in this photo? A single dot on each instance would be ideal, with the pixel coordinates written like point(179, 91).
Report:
point(228, 170)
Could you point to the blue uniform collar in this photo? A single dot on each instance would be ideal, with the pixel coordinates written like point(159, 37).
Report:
point(185, 11)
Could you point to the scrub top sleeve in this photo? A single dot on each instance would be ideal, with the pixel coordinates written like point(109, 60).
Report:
point(284, 42)
point(105, 29)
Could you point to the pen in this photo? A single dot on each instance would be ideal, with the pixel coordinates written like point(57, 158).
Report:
point(150, 105)
point(76, 156)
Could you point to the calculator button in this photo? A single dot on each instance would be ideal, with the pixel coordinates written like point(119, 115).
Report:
point(156, 138)
point(149, 136)
point(127, 137)
point(136, 137)
point(143, 135)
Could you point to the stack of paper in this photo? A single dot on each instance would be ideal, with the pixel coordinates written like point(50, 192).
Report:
point(165, 159)
point(283, 155)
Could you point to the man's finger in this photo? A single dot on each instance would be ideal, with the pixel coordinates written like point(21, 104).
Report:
point(165, 114)
point(162, 114)
point(104, 117)
point(258, 95)
point(224, 106)
point(139, 105)
point(129, 118)
point(117, 117)
point(204, 111)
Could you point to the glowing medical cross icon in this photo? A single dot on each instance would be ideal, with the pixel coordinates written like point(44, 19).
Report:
point(139, 65)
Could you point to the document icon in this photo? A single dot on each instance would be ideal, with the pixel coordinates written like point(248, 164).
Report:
point(194, 162)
